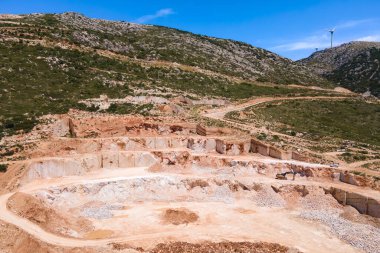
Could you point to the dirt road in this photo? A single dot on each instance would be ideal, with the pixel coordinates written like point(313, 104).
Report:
point(220, 113)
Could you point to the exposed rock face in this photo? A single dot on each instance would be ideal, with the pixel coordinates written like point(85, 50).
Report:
point(355, 65)
point(59, 167)
point(363, 204)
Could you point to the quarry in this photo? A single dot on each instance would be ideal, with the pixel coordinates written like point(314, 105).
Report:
point(126, 137)
point(132, 184)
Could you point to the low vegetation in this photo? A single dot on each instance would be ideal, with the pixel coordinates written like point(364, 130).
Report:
point(52, 80)
point(366, 76)
point(363, 174)
point(349, 119)
point(130, 109)
point(351, 157)
point(222, 56)
point(3, 168)
point(373, 166)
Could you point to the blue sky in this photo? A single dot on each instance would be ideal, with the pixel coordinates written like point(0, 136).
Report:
point(293, 29)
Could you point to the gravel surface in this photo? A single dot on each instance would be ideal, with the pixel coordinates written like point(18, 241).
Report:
point(100, 212)
point(266, 197)
point(361, 236)
point(316, 199)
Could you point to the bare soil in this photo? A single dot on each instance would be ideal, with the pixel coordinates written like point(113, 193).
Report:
point(38, 212)
point(224, 247)
point(179, 216)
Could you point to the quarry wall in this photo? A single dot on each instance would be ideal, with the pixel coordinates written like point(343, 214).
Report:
point(364, 204)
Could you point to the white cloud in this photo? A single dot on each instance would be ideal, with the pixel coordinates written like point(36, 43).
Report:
point(354, 23)
point(158, 14)
point(375, 37)
point(312, 42)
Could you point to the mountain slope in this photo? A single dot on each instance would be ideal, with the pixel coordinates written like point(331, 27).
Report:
point(50, 62)
point(354, 65)
point(146, 42)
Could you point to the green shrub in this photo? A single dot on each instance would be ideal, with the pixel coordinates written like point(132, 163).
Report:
point(262, 136)
point(3, 168)
point(358, 173)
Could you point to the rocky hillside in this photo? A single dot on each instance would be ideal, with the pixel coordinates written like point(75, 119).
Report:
point(354, 65)
point(50, 62)
point(146, 42)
